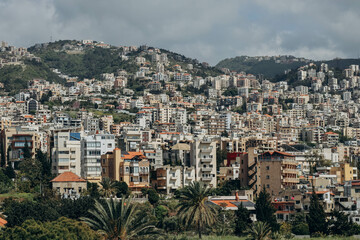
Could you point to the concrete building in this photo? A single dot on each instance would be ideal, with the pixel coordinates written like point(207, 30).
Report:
point(69, 185)
point(130, 167)
point(203, 158)
point(278, 171)
point(66, 153)
point(92, 147)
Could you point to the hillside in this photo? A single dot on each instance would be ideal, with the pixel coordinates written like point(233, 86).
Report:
point(15, 77)
point(91, 62)
point(267, 66)
point(270, 68)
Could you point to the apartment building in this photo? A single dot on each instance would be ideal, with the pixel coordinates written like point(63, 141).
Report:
point(66, 153)
point(92, 147)
point(170, 178)
point(278, 171)
point(203, 158)
point(130, 167)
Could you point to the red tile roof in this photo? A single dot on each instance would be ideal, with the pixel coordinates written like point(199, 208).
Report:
point(2, 222)
point(68, 177)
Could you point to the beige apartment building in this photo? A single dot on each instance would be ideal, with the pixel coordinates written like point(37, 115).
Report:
point(203, 158)
point(278, 171)
point(130, 167)
point(170, 178)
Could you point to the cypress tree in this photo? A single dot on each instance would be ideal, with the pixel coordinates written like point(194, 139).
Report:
point(26, 150)
point(316, 218)
point(265, 211)
point(242, 220)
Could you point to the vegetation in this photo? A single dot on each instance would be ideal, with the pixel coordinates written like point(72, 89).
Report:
point(265, 211)
point(118, 220)
point(193, 206)
point(62, 228)
point(317, 218)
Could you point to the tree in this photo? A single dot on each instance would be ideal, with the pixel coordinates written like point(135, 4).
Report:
point(9, 171)
point(193, 206)
point(3, 159)
point(299, 225)
point(107, 188)
point(221, 155)
point(265, 211)
point(153, 196)
point(122, 189)
point(45, 165)
point(26, 150)
point(242, 220)
point(62, 228)
point(76, 208)
point(18, 212)
point(340, 224)
point(231, 91)
point(32, 170)
point(259, 231)
point(316, 218)
point(118, 220)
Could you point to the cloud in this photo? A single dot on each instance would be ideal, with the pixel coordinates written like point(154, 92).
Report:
point(208, 30)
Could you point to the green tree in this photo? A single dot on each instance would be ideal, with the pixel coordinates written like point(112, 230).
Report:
point(259, 231)
point(231, 91)
point(194, 208)
point(9, 171)
point(63, 228)
point(45, 165)
point(3, 159)
point(18, 212)
point(32, 170)
point(153, 196)
point(118, 220)
point(265, 210)
point(122, 189)
point(340, 224)
point(242, 220)
point(221, 155)
point(316, 218)
point(299, 225)
point(107, 187)
point(76, 208)
point(26, 150)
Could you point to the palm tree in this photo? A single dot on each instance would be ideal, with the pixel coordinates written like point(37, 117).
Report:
point(259, 231)
point(118, 220)
point(108, 187)
point(193, 206)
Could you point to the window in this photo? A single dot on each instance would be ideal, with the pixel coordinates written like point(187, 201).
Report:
point(267, 186)
point(127, 169)
point(267, 177)
point(267, 167)
point(104, 170)
point(109, 145)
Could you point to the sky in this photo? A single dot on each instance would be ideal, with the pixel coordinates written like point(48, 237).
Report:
point(208, 30)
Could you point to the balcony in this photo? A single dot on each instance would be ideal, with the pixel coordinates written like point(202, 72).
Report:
point(290, 180)
point(161, 187)
point(189, 177)
point(161, 177)
point(206, 160)
point(291, 171)
point(206, 179)
point(173, 177)
point(206, 150)
point(206, 169)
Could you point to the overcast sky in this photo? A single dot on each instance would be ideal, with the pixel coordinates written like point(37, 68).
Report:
point(209, 30)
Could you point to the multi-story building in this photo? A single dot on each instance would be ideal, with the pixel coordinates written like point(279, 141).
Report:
point(92, 147)
point(66, 153)
point(278, 171)
point(130, 167)
point(203, 158)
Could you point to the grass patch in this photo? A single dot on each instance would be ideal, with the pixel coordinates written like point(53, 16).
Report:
point(25, 196)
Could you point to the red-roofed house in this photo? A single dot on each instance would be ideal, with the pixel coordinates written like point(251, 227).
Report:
point(69, 185)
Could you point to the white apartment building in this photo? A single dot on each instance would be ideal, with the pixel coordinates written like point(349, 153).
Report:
point(203, 158)
point(93, 146)
point(66, 154)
